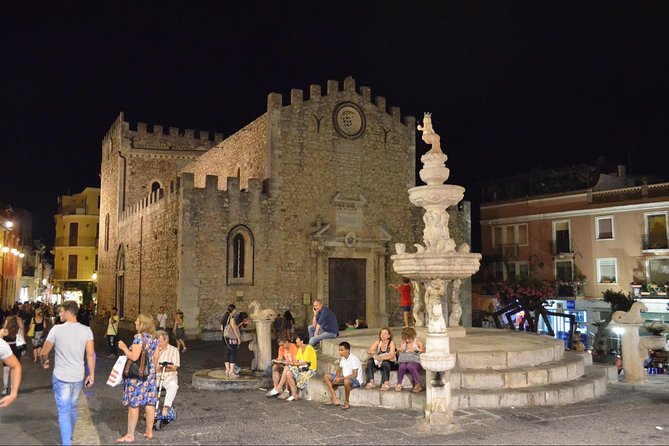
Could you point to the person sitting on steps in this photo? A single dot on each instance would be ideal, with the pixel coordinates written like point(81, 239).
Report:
point(349, 375)
point(409, 359)
point(287, 352)
point(383, 351)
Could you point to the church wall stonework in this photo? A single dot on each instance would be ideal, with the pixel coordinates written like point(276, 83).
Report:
point(305, 189)
point(242, 152)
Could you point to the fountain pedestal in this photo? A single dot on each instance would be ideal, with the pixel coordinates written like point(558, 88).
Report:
point(439, 267)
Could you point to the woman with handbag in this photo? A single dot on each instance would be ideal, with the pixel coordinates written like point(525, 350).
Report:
point(142, 389)
point(383, 358)
point(37, 330)
point(232, 338)
point(409, 359)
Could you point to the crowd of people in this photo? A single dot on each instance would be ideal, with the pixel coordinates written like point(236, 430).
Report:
point(65, 329)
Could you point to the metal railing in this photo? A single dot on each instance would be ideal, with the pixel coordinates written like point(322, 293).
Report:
point(79, 241)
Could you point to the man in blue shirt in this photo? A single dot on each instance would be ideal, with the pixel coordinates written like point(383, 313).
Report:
point(323, 325)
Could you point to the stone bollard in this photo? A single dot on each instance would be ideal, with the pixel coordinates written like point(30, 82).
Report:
point(264, 340)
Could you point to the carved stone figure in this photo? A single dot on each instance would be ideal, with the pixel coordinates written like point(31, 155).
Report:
point(435, 315)
point(429, 136)
point(258, 314)
point(418, 313)
point(630, 317)
point(455, 307)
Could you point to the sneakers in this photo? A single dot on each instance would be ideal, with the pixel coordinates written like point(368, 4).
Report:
point(285, 395)
point(272, 393)
point(6, 391)
point(291, 398)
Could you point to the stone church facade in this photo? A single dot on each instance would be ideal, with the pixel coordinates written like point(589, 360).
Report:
point(304, 202)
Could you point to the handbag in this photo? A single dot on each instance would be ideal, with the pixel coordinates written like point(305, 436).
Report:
point(139, 369)
point(408, 357)
point(31, 330)
point(228, 332)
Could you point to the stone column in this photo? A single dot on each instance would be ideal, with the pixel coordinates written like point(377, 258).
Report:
point(264, 339)
point(632, 363)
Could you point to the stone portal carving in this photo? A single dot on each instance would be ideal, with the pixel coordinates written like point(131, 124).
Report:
point(456, 309)
point(435, 315)
point(257, 314)
point(418, 313)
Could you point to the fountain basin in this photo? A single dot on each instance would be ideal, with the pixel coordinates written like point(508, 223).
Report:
point(437, 361)
point(436, 196)
point(436, 265)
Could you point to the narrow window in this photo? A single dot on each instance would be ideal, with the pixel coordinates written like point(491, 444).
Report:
point(238, 256)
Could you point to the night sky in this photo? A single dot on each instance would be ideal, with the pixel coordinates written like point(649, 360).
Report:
point(511, 85)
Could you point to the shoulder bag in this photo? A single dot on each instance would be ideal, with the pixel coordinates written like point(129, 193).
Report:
point(138, 369)
point(406, 356)
point(228, 332)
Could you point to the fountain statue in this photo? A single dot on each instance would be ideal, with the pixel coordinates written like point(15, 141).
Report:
point(439, 266)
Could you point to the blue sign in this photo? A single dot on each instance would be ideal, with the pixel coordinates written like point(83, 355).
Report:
point(571, 304)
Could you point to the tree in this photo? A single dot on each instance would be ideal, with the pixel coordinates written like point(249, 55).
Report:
point(619, 301)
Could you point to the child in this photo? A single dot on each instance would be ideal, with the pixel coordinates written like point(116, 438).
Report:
point(405, 299)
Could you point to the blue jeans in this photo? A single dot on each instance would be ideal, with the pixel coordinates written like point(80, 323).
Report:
point(67, 396)
point(313, 340)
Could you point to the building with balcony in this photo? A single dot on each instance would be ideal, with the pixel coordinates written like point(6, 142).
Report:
point(611, 236)
point(76, 250)
point(11, 257)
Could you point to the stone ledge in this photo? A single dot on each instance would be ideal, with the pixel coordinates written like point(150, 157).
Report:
point(214, 379)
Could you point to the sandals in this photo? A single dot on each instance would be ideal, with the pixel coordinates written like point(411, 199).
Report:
point(147, 436)
point(332, 403)
point(398, 388)
point(385, 386)
point(370, 385)
point(346, 406)
point(417, 388)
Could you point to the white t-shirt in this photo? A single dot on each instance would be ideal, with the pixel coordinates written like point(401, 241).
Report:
point(349, 364)
point(5, 350)
point(162, 319)
point(69, 342)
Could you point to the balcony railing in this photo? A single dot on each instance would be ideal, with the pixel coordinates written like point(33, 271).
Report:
point(655, 242)
point(562, 246)
point(80, 241)
point(569, 289)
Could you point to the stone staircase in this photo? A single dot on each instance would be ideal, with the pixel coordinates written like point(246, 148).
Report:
point(494, 368)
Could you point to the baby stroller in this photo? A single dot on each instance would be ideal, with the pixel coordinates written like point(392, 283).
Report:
point(163, 420)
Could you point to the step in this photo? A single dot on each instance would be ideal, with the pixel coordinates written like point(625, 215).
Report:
point(482, 348)
point(591, 385)
point(570, 367)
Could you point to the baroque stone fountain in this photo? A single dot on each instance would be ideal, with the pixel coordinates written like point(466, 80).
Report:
point(438, 266)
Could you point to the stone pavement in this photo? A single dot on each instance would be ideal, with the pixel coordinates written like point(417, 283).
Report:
point(626, 415)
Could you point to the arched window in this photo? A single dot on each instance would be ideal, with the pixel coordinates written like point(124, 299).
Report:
point(240, 256)
point(155, 186)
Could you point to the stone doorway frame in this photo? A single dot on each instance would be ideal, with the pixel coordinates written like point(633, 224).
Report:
point(375, 252)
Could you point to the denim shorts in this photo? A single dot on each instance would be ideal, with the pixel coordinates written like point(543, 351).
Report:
point(406, 308)
point(354, 382)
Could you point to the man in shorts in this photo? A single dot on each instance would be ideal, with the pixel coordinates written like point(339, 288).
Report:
point(405, 299)
point(349, 375)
